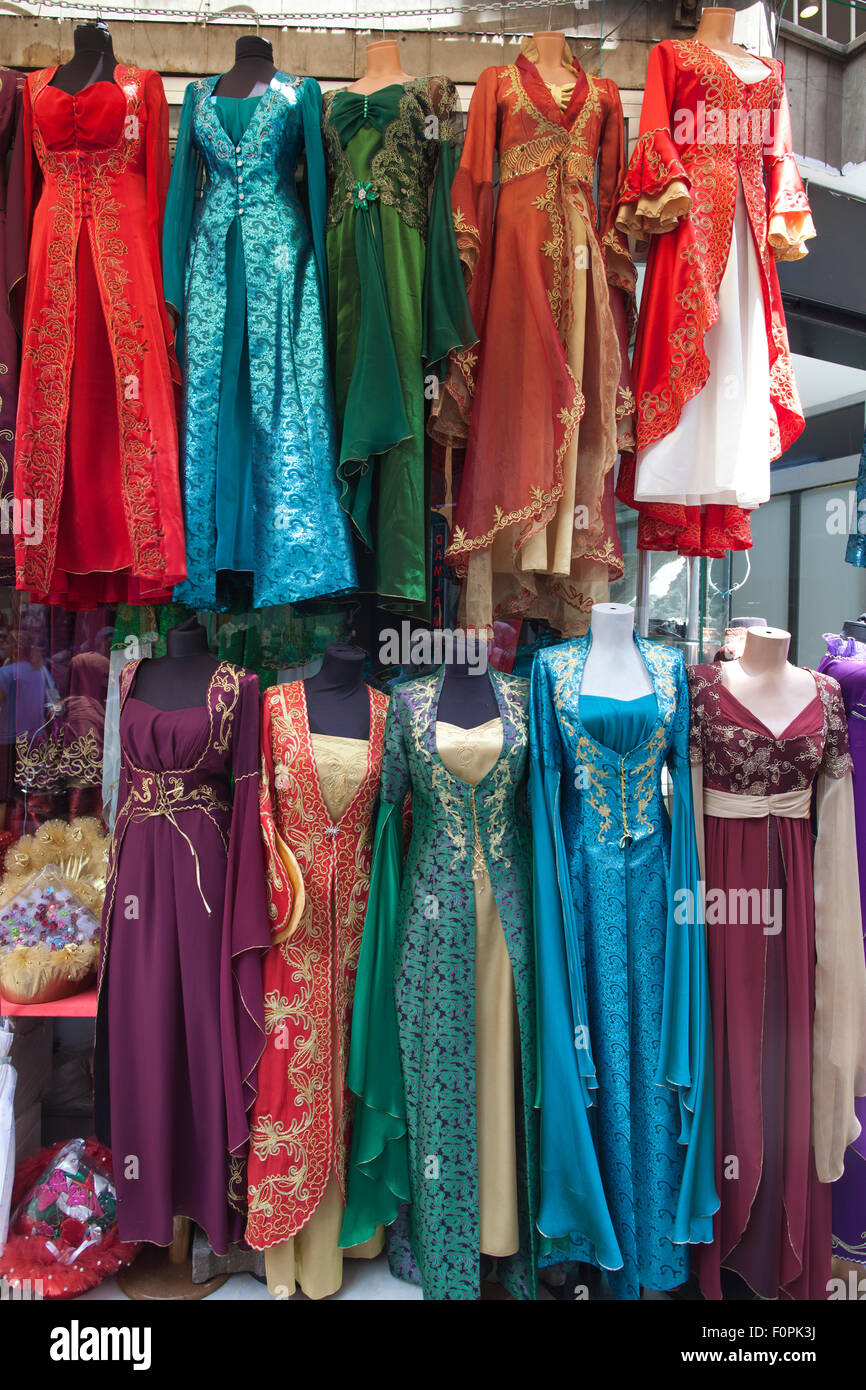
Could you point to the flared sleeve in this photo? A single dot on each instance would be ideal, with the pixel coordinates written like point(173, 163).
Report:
point(789, 217)
point(286, 897)
point(23, 189)
point(572, 1192)
point(685, 1054)
point(186, 179)
point(611, 172)
point(655, 192)
point(839, 1034)
point(316, 178)
point(447, 320)
point(472, 207)
point(245, 934)
point(378, 1175)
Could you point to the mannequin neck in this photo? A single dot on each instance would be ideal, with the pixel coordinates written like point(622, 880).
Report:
point(253, 69)
point(765, 652)
point(189, 639)
point(337, 699)
point(467, 697)
point(716, 28)
point(92, 61)
point(341, 671)
point(383, 67)
point(92, 38)
point(251, 46)
point(612, 625)
point(552, 60)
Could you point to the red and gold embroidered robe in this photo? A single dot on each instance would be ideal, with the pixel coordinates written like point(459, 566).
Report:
point(96, 444)
point(543, 403)
point(703, 131)
point(318, 874)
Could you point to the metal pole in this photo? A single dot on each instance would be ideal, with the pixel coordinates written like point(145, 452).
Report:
point(644, 563)
point(693, 620)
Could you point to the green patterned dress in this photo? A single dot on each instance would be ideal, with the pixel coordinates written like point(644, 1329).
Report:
point(414, 1159)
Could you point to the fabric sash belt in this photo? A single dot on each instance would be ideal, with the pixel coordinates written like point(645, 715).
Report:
point(539, 154)
point(166, 794)
point(794, 805)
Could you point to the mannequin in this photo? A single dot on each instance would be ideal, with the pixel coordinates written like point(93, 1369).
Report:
point(384, 69)
point(766, 683)
point(857, 629)
point(550, 65)
point(467, 697)
point(337, 698)
point(93, 61)
point(716, 31)
point(180, 679)
point(614, 666)
point(253, 70)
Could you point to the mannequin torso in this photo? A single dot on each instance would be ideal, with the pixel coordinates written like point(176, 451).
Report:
point(765, 682)
point(337, 698)
point(467, 697)
point(383, 69)
point(614, 666)
point(549, 63)
point(180, 679)
point(716, 31)
point(93, 60)
point(253, 69)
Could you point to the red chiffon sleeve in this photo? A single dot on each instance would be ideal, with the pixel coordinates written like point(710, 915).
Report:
point(655, 191)
point(23, 190)
point(611, 172)
point(157, 172)
point(789, 218)
point(472, 206)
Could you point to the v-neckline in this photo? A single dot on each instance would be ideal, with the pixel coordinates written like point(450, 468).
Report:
point(770, 70)
point(777, 738)
point(257, 118)
point(308, 739)
point(500, 702)
point(564, 118)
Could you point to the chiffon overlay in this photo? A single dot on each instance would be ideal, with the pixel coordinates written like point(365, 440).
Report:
point(180, 1025)
point(626, 1063)
point(847, 665)
point(97, 347)
point(443, 1040)
point(713, 186)
point(787, 981)
point(318, 797)
point(11, 89)
point(397, 307)
point(245, 268)
point(543, 403)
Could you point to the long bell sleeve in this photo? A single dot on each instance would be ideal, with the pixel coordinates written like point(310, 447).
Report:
point(378, 1175)
point(184, 186)
point(245, 924)
point(655, 192)
point(472, 208)
point(572, 1192)
point(23, 192)
point(286, 896)
point(447, 320)
point(685, 1054)
point(839, 1034)
point(316, 179)
point(789, 217)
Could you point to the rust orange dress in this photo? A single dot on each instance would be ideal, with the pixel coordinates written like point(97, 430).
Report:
point(542, 404)
point(96, 446)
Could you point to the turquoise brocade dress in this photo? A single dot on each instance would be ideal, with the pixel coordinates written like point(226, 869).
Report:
point(245, 268)
point(625, 1045)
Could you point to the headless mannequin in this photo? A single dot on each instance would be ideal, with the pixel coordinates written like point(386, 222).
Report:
point(180, 679)
point(337, 698)
point(614, 666)
point(93, 60)
point(383, 69)
point(766, 683)
point(467, 698)
point(253, 70)
point(716, 31)
point(856, 630)
point(549, 63)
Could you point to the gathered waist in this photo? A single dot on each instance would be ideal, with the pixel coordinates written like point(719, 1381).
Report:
point(793, 805)
point(535, 155)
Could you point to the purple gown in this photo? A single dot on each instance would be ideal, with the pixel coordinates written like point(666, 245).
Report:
point(180, 1015)
point(846, 662)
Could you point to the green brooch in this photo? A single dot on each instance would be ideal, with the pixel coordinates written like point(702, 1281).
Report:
point(363, 195)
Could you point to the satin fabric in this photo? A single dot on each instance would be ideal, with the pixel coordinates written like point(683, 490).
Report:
point(626, 1090)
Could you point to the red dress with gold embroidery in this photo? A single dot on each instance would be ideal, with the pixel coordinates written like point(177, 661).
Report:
point(712, 179)
point(96, 448)
point(318, 874)
point(543, 403)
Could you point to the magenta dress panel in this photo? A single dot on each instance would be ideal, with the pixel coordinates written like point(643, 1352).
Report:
point(846, 662)
point(773, 1227)
point(180, 1014)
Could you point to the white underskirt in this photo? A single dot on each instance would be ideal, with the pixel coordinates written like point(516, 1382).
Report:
point(719, 451)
